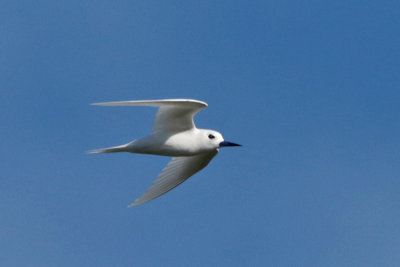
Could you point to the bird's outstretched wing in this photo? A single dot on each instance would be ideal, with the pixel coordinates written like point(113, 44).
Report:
point(174, 115)
point(177, 171)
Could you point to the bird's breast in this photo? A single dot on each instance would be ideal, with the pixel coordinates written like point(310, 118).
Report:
point(178, 145)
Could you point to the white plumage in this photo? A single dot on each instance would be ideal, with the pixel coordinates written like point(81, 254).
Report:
point(173, 134)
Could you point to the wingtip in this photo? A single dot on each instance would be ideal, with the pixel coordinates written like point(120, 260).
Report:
point(138, 202)
point(113, 103)
point(133, 204)
point(198, 102)
point(148, 102)
point(99, 104)
point(195, 101)
point(94, 151)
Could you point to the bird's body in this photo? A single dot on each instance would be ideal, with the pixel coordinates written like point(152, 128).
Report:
point(174, 134)
point(165, 144)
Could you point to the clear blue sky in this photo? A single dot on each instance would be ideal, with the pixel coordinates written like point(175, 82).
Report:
point(310, 88)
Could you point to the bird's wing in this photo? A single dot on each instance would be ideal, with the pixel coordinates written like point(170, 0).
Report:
point(178, 170)
point(174, 115)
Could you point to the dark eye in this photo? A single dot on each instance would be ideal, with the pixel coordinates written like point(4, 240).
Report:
point(211, 136)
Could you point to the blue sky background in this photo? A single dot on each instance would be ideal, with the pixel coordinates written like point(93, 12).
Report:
point(310, 88)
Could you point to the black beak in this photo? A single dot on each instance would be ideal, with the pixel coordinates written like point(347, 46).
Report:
point(225, 143)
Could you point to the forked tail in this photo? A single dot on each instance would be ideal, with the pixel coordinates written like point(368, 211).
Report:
point(108, 150)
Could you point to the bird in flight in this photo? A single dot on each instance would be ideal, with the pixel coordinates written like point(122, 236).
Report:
point(173, 134)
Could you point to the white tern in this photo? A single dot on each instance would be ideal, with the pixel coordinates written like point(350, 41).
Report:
point(173, 134)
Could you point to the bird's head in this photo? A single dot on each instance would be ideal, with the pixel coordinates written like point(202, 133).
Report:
point(214, 140)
